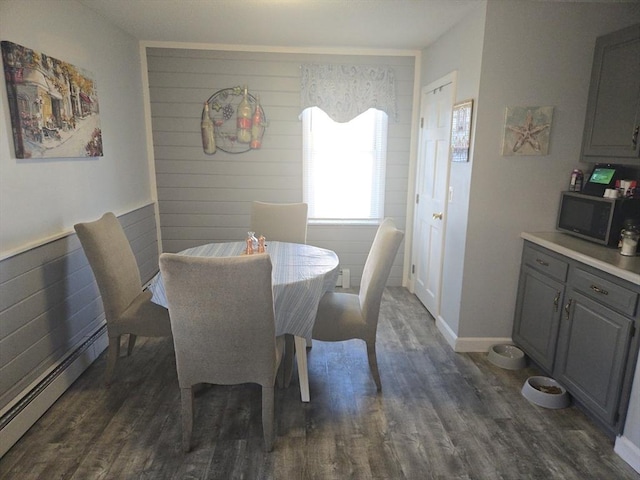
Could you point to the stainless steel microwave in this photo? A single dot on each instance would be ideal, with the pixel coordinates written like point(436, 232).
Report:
point(597, 219)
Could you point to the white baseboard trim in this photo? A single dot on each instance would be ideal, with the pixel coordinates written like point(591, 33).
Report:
point(468, 344)
point(448, 334)
point(628, 451)
point(37, 399)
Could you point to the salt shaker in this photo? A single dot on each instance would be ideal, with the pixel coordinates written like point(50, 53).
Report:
point(249, 246)
point(261, 245)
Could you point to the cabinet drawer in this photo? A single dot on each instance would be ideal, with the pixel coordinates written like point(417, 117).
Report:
point(605, 292)
point(545, 263)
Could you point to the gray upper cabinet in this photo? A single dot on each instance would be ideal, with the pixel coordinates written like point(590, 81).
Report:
point(613, 108)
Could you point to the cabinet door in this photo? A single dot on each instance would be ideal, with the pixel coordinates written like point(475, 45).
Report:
point(613, 108)
point(593, 345)
point(538, 310)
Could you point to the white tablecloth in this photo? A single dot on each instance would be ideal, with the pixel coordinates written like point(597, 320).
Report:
point(301, 275)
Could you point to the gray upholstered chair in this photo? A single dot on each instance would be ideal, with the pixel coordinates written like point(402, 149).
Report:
point(344, 316)
point(283, 222)
point(127, 308)
point(223, 322)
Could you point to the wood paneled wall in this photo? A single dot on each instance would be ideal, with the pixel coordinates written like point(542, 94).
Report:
point(206, 199)
point(50, 304)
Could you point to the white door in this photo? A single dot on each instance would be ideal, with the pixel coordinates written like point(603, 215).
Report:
point(431, 191)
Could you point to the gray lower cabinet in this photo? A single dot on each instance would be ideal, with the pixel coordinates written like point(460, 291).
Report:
point(578, 324)
point(538, 311)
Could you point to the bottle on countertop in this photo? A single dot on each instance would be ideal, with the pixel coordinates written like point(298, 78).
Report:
point(575, 185)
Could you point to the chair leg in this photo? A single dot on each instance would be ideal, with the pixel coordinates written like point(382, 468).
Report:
point(132, 343)
point(373, 363)
point(186, 400)
point(112, 357)
point(267, 417)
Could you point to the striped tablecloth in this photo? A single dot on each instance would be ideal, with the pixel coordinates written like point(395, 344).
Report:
point(301, 275)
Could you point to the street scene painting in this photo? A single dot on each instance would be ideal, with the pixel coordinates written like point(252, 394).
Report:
point(53, 105)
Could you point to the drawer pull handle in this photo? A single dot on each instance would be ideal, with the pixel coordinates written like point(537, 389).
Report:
point(596, 289)
point(542, 262)
point(567, 308)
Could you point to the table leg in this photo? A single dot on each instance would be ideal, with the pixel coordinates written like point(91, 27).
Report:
point(303, 373)
point(289, 358)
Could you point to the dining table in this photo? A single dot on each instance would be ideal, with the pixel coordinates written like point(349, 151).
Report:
point(301, 275)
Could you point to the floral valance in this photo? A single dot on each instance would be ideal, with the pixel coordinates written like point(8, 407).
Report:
point(346, 91)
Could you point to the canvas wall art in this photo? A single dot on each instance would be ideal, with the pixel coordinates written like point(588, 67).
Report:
point(526, 130)
point(53, 105)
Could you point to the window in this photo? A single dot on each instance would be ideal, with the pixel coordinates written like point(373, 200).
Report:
point(344, 167)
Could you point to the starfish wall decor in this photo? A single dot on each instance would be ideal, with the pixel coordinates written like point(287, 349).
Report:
point(526, 130)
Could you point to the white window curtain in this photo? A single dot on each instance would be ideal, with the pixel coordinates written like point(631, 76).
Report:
point(346, 91)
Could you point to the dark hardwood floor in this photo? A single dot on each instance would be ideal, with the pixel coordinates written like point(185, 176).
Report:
point(441, 415)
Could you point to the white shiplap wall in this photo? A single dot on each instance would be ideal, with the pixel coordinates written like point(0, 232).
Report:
point(206, 198)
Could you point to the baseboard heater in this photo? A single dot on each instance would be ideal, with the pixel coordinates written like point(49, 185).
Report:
point(344, 278)
point(37, 399)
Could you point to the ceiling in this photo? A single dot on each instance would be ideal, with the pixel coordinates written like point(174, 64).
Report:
point(385, 24)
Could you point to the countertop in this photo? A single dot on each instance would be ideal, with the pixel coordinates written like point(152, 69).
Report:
point(606, 259)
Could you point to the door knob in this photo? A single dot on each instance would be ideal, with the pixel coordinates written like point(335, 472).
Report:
point(437, 216)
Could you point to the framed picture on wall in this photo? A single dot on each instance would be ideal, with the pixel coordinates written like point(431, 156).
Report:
point(53, 105)
point(526, 130)
point(461, 131)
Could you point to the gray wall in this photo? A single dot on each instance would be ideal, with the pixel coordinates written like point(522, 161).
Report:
point(525, 62)
point(41, 199)
point(459, 50)
point(532, 53)
point(207, 198)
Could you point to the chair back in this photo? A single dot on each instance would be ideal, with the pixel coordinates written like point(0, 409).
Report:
point(113, 263)
point(284, 222)
point(222, 318)
point(377, 267)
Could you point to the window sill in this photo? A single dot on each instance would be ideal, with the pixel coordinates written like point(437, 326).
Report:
point(345, 222)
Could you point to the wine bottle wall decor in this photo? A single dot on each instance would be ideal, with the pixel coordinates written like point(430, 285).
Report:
point(238, 121)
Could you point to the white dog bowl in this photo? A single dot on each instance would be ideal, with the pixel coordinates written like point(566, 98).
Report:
point(507, 356)
point(545, 392)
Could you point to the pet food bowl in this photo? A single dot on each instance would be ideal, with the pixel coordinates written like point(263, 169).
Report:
point(545, 392)
point(507, 356)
